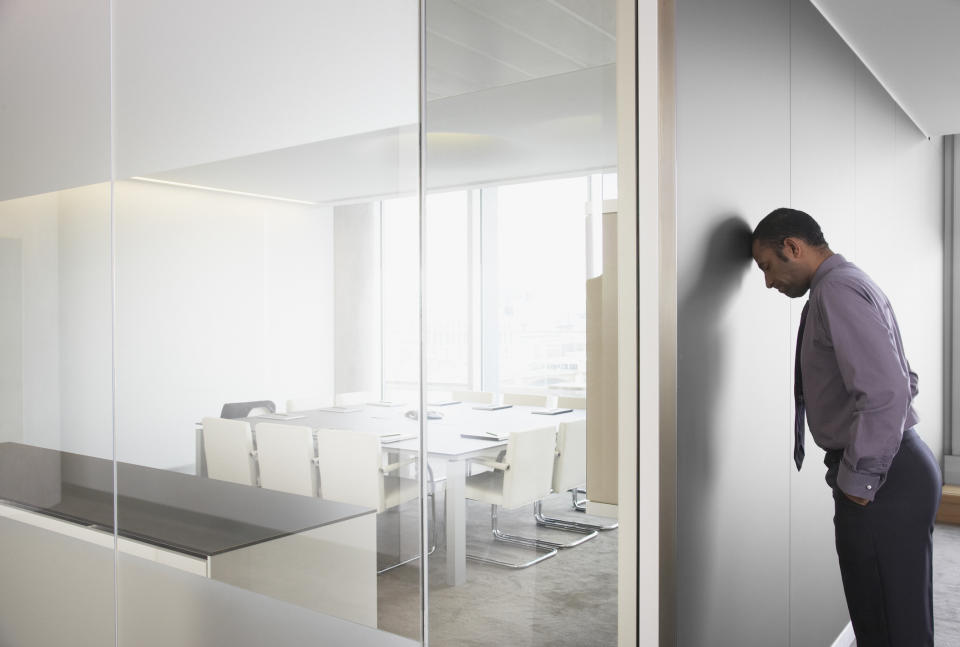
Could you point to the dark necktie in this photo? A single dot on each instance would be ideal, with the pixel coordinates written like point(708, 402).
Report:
point(800, 406)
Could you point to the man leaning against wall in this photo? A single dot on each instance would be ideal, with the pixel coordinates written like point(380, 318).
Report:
point(852, 380)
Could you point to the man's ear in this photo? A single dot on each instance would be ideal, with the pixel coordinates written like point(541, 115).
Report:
point(792, 247)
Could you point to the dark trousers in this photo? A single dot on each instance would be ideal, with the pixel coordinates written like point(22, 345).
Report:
point(885, 550)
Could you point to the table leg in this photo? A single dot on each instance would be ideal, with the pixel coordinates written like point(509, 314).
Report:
point(456, 523)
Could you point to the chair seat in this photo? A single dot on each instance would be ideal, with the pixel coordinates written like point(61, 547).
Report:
point(397, 490)
point(486, 487)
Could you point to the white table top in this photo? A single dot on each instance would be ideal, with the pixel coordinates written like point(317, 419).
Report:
point(443, 436)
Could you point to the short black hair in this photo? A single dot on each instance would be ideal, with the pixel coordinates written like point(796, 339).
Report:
point(783, 223)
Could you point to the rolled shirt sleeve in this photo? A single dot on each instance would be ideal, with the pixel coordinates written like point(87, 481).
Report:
point(865, 341)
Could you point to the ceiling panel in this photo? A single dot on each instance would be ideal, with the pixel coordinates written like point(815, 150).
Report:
point(913, 48)
point(472, 44)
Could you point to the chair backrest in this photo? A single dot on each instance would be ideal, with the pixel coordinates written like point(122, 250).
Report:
point(571, 402)
point(286, 457)
point(482, 397)
point(228, 450)
point(570, 467)
point(525, 399)
point(305, 404)
point(352, 399)
point(530, 455)
point(349, 464)
point(233, 410)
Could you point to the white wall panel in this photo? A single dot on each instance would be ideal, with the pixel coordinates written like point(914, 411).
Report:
point(357, 299)
point(196, 274)
point(86, 393)
point(733, 341)
point(298, 304)
point(774, 110)
point(33, 222)
point(11, 340)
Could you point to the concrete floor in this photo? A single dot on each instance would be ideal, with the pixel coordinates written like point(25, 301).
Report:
point(569, 599)
point(946, 585)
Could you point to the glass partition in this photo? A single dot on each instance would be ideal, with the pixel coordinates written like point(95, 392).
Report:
point(56, 427)
point(266, 483)
point(221, 307)
point(520, 122)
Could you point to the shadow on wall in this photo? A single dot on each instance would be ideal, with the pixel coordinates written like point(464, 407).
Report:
point(701, 356)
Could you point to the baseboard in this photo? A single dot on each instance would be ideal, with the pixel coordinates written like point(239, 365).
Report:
point(846, 638)
point(949, 510)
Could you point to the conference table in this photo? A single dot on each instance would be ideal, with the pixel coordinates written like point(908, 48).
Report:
point(444, 442)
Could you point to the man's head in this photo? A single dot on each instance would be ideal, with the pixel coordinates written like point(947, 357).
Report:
point(788, 247)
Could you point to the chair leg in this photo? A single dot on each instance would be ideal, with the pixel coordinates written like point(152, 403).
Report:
point(588, 530)
point(433, 522)
point(546, 549)
point(580, 505)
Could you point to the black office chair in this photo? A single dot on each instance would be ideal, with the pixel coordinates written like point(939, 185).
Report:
point(234, 410)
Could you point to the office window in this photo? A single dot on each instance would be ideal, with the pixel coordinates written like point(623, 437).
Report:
point(447, 334)
point(541, 261)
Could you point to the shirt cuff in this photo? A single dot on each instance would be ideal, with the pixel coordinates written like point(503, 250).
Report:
point(856, 484)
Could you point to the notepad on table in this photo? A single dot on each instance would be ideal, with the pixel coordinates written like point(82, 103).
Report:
point(487, 435)
point(443, 403)
point(492, 407)
point(386, 403)
point(341, 409)
point(550, 412)
point(281, 416)
point(386, 438)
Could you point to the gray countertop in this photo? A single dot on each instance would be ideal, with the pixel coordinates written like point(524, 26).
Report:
point(189, 514)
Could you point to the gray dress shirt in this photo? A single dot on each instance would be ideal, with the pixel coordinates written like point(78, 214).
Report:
point(857, 383)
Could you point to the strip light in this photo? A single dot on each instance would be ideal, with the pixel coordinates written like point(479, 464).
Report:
point(217, 190)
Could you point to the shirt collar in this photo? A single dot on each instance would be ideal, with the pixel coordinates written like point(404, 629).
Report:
point(825, 267)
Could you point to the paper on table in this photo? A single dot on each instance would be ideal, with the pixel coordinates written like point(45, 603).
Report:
point(487, 435)
point(281, 416)
point(550, 412)
point(341, 409)
point(492, 407)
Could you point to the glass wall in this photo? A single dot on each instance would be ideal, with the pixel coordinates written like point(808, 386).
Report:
point(222, 311)
point(520, 129)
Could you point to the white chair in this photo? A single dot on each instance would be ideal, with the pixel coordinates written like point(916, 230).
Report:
point(569, 473)
point(228, 450)
point(352, 471)
point(525, 399)
point(522, 477)
point(352, 399)
point(571, 402)
point(287, 459)
point(306, 404)
point(480, 397)
point(234, 410)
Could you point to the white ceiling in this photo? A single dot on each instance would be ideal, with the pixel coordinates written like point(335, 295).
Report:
point(478, 44)
point(515, 89)
point(913, 48)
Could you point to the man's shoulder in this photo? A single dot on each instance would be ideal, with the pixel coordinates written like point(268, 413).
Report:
point(848, 278)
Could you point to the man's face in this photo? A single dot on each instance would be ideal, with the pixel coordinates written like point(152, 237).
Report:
point(784, 270)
